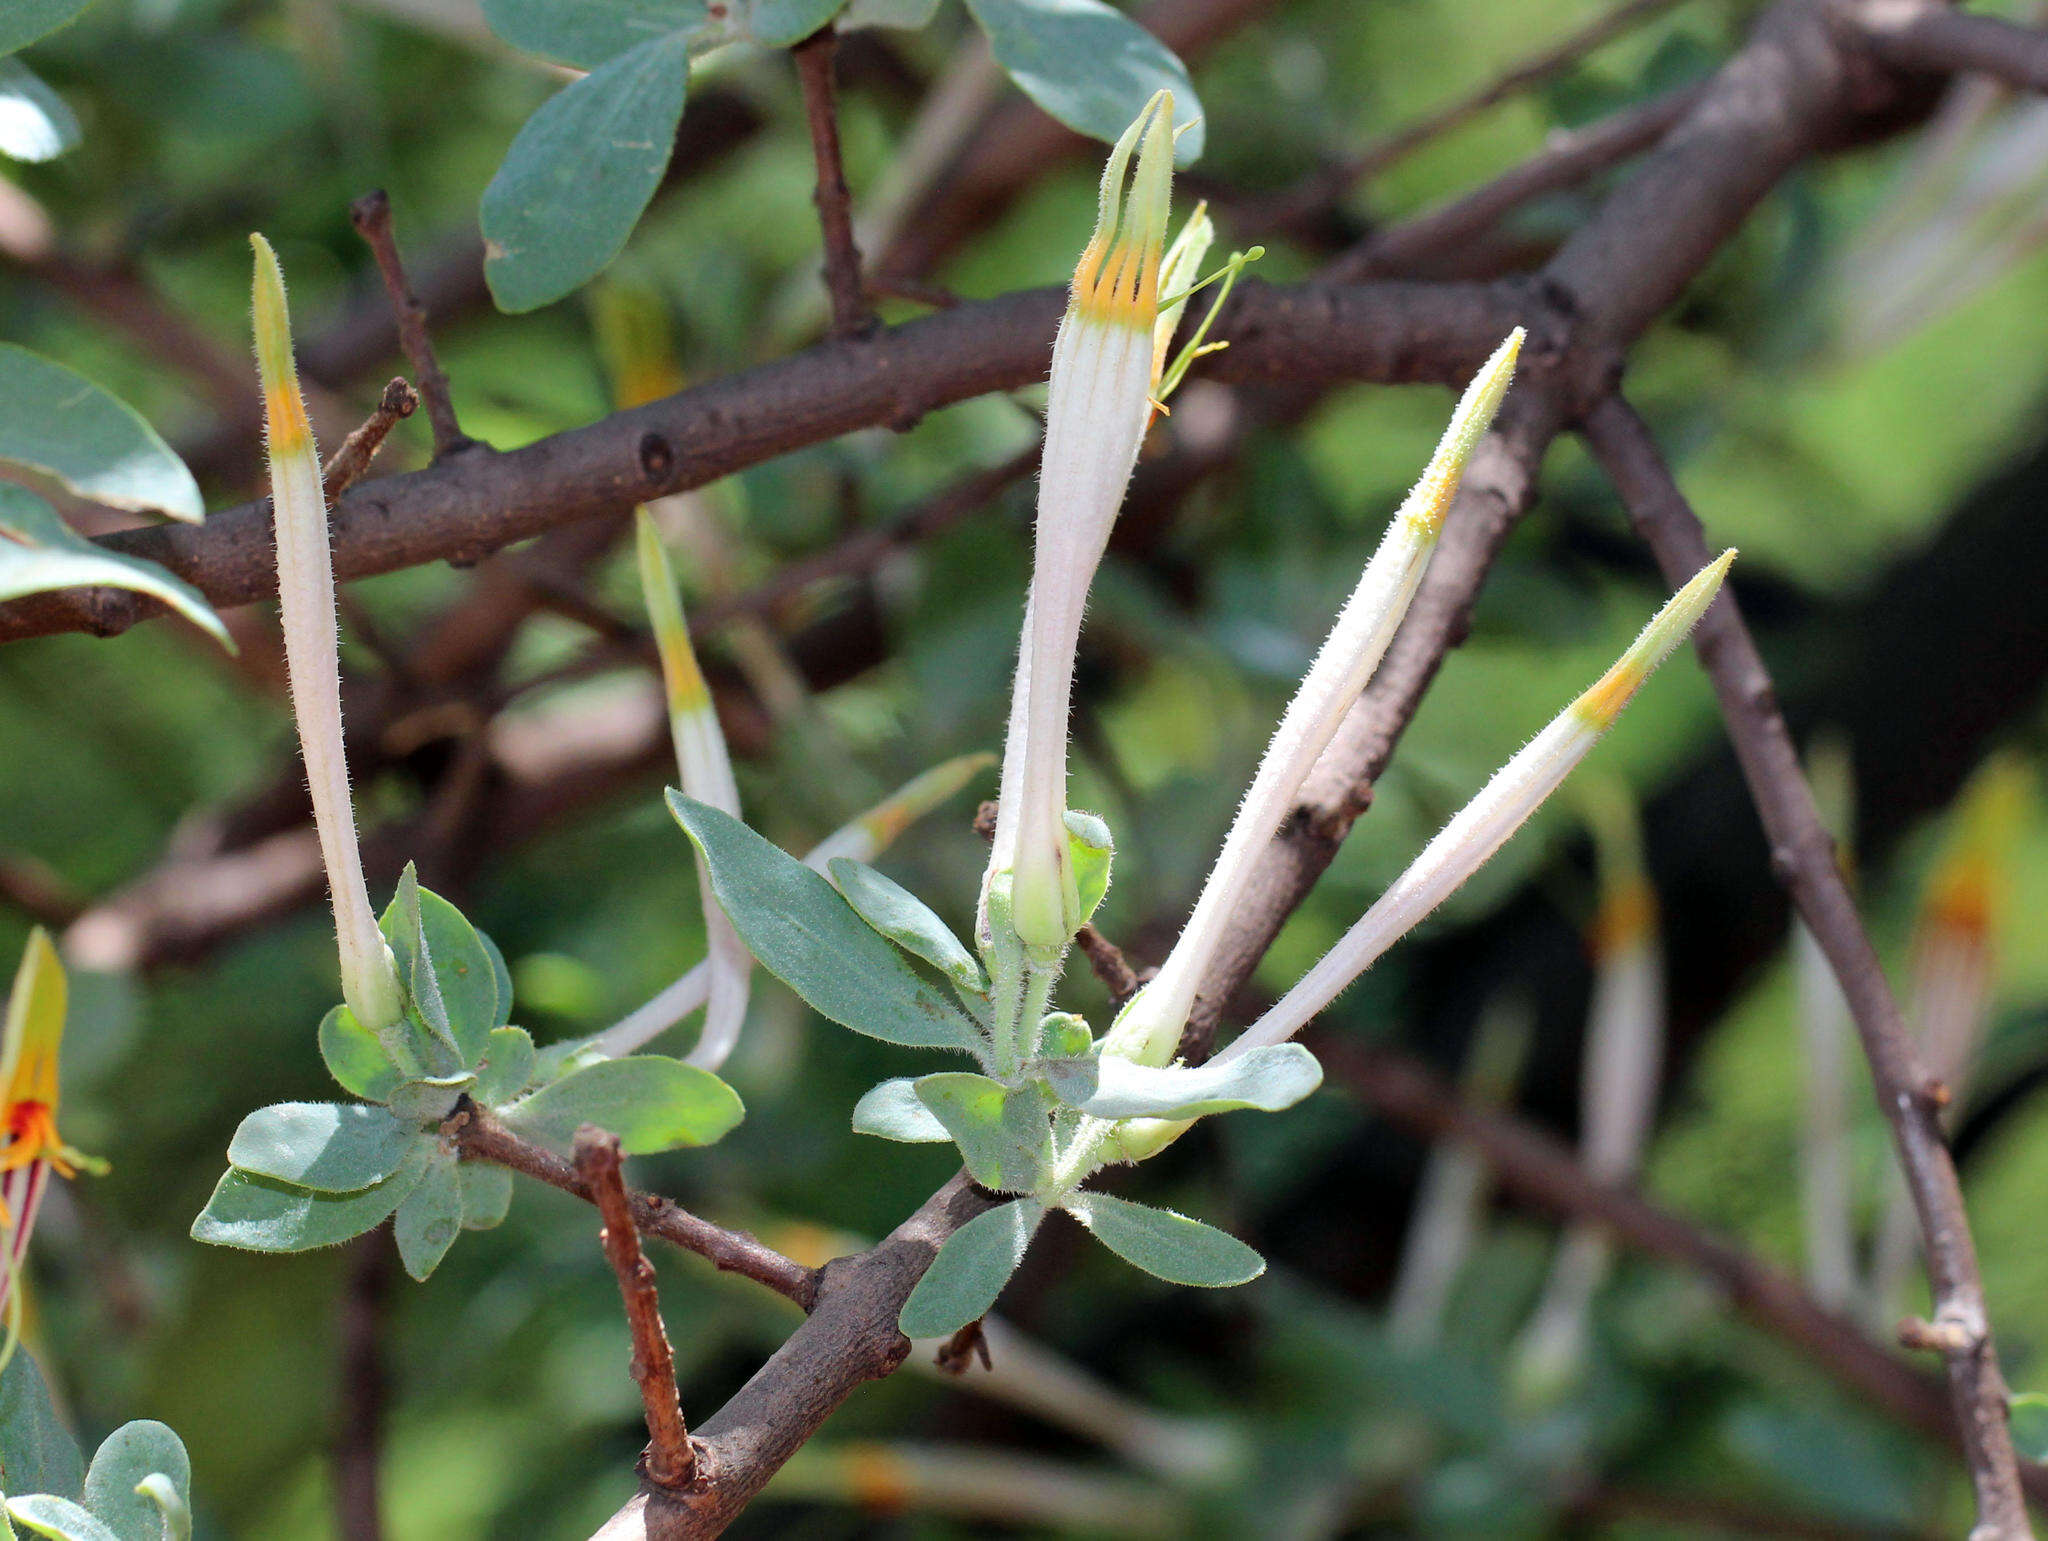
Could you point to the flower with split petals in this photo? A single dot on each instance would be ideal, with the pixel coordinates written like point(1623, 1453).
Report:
point(1096, 411)
point(1484, 824)
point(1149, 1028)
point(305, 590)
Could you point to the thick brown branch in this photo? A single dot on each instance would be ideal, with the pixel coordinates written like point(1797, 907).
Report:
point(345, 467)
point(1922, 35)
point(468, 505)
point(482, 1138)
point(1804, 855)
point(371, 215)
point(670, 1461)
point(814, 58)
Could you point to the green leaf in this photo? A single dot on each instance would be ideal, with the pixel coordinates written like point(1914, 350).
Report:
point(501, 975)
point(1168, 1246)
point(907, 14)
point(649, 1101)
point(53, 419)
point(447, 968)
point(2030, 1425)
point(35, 123)
point(1089, 849)
point(40, 552)
point(586, 33)
point(1089, 66)
point(37, 1453)
point(59, 1519)
point(971, 1270)
point(1004, 1134)
point(579, 173)
point(1270, 1078)
point(23, 21)
point(260, 1215)
point(330, 1147)
point(426, 1103)
point(801, 930)
point(355, 1058)
point(904, 919)
point(891, 1110)
point(507, 1068)
point(131, 1454)
point(429, 1220)
point(779, 23)
point(486, 1194)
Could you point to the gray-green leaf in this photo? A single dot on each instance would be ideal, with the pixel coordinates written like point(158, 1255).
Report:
point(907, 14)
point(429, 1220)
point(650, 1102)
point(1168, 1246)
point(330, 1147)
point(450, 973)
point(23, 21)
point(35, 123)
point(586, 33)
point(54, 419)
point(355, 1058)
point(1269, 1078)
point(128, 1457)
point(907, 921)
point(261, 1215)
point(486, 1194)
point(801, 930)
point(891, 1110)
point(507, 1068)
point(1004, 1134)
point(1089, 850)
point(779, 23)
point(1089, 66)
point(37, 1453)
point(580, 172)
point(40, 552)
point(58, 1518)
point(971, 1270)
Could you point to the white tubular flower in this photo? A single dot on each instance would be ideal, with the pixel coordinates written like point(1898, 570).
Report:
point(1095, 417)
point(305, 590)
point(1150, 1026)
point(863, 839)
point(707, 776)
point(1177, 274)
point(1484, 824)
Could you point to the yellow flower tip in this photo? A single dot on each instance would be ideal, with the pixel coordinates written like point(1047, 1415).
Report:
point(284, 410)
point(1431, 500)
point(877, 1479)
point(1117, 279)
point(1626, 917)
point(1599, 706)
point(28, 1063)
point(680, 673)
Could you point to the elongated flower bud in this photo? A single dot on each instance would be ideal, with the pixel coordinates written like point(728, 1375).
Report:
point(706, 771)
point(1150, 1026)
point(1484, 824)
point(862, 838)
point(305, 592)
point(1096, 413)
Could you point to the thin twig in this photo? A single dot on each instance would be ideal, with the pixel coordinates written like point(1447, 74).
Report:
point(1109, 964)
point(480, 1137)
point(1803, 854)
point(671, 1461)
point(814, 57)
point(1925, 35)
point(365, 1389)
point(347, 464)
point(371, 215)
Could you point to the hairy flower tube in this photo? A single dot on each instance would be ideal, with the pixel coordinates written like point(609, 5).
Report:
point(1096, 412)
point(862, 838)
point(706, 770)
point(31, 1149)
point(305, 588)
point(1149, 1028)
point(1484, 824)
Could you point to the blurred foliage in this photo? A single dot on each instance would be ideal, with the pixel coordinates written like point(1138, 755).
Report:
point(1837, 471)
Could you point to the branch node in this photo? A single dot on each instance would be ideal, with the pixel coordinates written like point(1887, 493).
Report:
point(670, 1461)
point(1953, 1331)
point(346, 465)
point(371, 215)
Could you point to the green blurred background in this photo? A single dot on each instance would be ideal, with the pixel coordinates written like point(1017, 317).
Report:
point(1853, 394)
